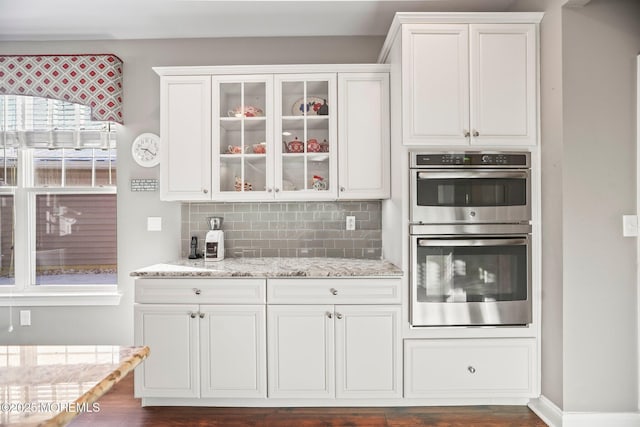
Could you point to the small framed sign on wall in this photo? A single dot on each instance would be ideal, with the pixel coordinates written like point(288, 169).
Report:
point(140, 184)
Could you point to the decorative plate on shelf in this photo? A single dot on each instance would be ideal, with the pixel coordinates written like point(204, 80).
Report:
point(313, 105)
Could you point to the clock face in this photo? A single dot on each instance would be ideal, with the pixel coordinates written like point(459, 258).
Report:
point(146, 150)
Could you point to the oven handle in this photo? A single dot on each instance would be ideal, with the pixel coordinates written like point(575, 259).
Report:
point(471, 242)
point(474, 174)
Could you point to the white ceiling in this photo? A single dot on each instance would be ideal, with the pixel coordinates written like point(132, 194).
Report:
point(152, 19)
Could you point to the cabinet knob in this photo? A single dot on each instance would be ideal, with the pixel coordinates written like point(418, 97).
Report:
point(476, 133)
point(339, 315)
point(201, 315)
point(466, 133)
point(197, 291)
point(205, 191)
point(269, 190)
point(192, 315)
point(277, 190)
point(471, 369)
point(329, 315)
point(334, 291)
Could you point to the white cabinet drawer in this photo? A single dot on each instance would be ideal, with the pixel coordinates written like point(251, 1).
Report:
point(334, 291)
point(469, 368)
point(200, 291)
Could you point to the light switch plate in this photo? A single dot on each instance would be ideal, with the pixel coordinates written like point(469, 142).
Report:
point(630, 225)
point(154, 223)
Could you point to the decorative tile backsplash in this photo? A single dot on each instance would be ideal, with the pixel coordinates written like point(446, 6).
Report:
point(288, 229)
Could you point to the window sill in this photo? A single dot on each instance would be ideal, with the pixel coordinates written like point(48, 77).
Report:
point(51, 299)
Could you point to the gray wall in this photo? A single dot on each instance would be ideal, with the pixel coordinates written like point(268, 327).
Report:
point(551, 193)
point(293, 229)
point(600, 44)
point(588, 150)
point(136, 246)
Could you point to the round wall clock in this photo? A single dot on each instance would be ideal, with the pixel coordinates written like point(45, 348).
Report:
point(146, 150)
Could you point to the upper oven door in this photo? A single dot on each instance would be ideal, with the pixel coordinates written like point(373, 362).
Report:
point(453, 196)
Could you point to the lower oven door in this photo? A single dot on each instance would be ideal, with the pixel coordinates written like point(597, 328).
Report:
point(470, 280)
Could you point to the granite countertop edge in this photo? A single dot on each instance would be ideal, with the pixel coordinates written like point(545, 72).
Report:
point(271, 268)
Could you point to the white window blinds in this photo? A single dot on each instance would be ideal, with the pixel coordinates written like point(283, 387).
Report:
point(34, 122)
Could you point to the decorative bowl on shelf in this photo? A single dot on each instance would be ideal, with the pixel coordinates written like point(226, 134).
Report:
point(249, 111)
point(234, 149)
point(239, 185)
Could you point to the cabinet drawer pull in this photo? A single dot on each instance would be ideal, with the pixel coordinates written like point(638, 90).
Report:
point(466, 133)
point(471, 369)
point(476, 133)
point(197, 291)
point(201, 315)
point(339, 316)
point(334, 291)
point(329, 315)
point(205, 191)
point(192, 315)
point(342, 189)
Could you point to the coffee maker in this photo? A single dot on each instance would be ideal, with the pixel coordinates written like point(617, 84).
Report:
point(214, 240)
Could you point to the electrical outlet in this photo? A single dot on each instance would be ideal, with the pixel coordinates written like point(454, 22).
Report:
point(25, 317)
point(351, 223)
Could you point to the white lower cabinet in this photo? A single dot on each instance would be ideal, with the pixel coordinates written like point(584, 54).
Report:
point(326, 351)
point(172, 335)
point(469, 368)
point(233, 351)
point(201, 350)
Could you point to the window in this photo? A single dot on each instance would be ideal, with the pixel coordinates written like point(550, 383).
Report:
point(57, 200)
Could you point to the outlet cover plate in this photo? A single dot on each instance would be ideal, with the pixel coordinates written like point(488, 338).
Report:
point(351, 223)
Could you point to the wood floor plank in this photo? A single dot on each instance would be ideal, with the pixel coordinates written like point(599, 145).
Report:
point(120, 409)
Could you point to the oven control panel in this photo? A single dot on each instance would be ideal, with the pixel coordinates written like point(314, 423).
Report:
point(475, 159)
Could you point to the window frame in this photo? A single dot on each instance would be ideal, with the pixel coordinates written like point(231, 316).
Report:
point(24, 291)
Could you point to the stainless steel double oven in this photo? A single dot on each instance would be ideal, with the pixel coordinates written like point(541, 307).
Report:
point(470, 227)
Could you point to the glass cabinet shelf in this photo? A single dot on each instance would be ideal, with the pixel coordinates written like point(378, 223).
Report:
point(235, 123)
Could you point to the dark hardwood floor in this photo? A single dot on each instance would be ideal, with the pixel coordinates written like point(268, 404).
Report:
point(119, 408)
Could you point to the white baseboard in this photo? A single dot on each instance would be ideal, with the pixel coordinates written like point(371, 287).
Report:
point(555, 417)
point(547, 411)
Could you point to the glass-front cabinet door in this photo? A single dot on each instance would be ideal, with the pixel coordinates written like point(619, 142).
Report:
point(306, 154)
point(242, 137)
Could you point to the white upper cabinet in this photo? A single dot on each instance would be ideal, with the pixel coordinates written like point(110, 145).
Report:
point(185, 130)
point(363, 133)
point(306, 135)
point(242, 137)
point(257, 133)
point(503, 84)
point(435, 87)
point(469, 83)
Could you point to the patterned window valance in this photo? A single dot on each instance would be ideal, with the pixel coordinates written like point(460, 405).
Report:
point(92, 80)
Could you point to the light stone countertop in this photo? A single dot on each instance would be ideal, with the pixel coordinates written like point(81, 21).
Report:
point(45, 385)
point(272, 267)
